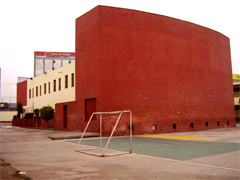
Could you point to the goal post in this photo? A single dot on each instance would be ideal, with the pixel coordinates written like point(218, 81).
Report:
point(102, 152)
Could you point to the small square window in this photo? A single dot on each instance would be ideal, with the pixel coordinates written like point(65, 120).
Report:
point(154, 127)
point(206, 124)
point(192, 125)
point(130, 127)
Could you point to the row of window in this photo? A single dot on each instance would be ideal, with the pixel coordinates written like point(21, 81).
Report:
point(38, 89)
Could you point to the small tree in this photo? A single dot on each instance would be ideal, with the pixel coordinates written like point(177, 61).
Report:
point(47, 113)
point(36, 113)
point(19, 109)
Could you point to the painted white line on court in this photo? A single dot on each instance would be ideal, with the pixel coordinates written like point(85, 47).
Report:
point(189, 162)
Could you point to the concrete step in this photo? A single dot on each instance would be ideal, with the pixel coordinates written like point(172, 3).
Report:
point(71, 135)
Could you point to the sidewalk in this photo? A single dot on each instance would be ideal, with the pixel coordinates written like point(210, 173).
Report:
point(31, 151)
point(55, 135)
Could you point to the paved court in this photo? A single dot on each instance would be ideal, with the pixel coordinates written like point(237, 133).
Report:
point(197, 155)
point(165, 146)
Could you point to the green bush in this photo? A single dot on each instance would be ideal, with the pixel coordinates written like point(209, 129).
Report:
point(47, 113)
point(36, 112)
point(19, 109)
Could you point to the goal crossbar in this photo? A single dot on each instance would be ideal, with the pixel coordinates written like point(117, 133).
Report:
point(104, 150)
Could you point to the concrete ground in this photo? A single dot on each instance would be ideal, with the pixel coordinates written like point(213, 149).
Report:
point(212, 154)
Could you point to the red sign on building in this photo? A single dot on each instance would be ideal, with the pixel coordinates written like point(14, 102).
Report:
point(40, 53)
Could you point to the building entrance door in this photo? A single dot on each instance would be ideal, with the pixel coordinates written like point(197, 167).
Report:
point(65, 116)
point(90, 107)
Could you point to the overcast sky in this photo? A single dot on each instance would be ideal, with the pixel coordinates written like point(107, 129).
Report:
point(49, 25)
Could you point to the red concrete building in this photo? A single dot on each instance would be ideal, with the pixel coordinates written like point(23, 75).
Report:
point(174, 75)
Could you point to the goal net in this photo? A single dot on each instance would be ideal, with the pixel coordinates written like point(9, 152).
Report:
point(103, 151)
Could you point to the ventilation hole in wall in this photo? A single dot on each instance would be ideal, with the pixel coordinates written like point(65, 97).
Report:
point(227, 122)
point(174, 126)
point(191, 124)
point(218, 123)
point(154, 127)
point(129, 127)
point(206, 124)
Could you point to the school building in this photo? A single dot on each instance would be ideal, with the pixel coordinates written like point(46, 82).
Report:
point(173, 75)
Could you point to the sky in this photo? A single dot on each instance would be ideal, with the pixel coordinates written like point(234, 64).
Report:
point(49, 25)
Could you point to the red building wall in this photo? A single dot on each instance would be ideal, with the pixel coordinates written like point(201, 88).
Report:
point(172, 74)
point(74, 120)
point(22, 92)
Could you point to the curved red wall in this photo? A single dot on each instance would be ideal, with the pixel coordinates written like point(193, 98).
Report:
point(167, 71)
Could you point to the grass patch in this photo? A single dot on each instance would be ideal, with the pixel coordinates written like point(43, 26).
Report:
point(8, 172)
point(5, 164)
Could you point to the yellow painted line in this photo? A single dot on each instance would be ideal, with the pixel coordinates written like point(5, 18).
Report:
point(174, 137)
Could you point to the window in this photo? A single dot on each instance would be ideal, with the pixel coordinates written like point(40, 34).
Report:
point(66, 81)
point(206, 124)
point(72, 79)
point(218, 123)
point(192, 125)
point(174, 126)
point(154, 127)
point(45, 88)
point(40, 90)
point(29, 93)
point(65, 116)
point(130, 127)
point(59, 84)
point(54, 85)
point(49, 87)
point(32, 92)
point(36, 91)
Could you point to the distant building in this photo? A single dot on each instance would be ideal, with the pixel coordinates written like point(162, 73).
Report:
point(174, 75)
point(45, 62)
point(236, 87)
point(0, 83)
point(8, 106)
point(21, 79)
point(7, 111)
point(236, 78)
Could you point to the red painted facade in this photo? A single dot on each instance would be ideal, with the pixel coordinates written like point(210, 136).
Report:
point(22, 92)
point(173, 75)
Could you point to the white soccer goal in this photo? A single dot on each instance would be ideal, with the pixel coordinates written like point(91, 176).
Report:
point(103, 152)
